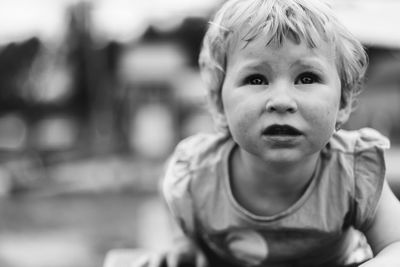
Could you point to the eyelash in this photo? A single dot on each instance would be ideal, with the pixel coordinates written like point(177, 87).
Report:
point(309, 75)
point(258, 79)
point(252, 78)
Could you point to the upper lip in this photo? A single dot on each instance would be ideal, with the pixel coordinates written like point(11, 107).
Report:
point(281, 129)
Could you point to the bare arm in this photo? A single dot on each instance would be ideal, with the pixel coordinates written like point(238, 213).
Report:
point(384, 233)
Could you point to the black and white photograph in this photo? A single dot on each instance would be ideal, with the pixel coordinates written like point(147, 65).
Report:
point(199, 133)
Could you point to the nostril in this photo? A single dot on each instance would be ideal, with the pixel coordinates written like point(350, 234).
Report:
point(281, 107)
point(281, 100)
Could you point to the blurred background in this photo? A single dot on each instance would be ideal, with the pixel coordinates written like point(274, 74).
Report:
point(94, 95)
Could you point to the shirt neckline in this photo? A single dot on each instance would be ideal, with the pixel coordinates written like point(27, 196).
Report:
point(226, 154)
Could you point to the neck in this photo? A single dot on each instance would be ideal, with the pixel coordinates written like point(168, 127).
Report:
point(285, 178)
point(273, 187)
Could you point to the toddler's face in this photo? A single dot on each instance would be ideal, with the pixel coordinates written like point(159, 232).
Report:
point(282, 103)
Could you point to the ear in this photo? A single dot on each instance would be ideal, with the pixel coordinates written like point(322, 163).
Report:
point(344, 112)
point(220, 119)
point(217, 110)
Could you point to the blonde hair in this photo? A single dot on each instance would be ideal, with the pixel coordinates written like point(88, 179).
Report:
point(310, 21)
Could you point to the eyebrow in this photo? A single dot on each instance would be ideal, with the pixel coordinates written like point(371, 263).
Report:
point(255, 64)
point(310, 63)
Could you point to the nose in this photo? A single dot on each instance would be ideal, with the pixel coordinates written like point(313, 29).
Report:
point(281, 100)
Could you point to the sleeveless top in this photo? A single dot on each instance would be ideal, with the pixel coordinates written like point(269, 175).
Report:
point(319, 229)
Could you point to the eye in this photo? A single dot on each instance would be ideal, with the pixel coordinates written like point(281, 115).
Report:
point(256, 79)
point(308, 78)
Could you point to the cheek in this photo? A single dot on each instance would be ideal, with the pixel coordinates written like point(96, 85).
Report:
point(323, 115)
point(239, 122)
point(324, 105)
point(241, 119)
point(239, 109)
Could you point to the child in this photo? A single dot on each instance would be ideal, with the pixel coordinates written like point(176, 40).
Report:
point(280, 184)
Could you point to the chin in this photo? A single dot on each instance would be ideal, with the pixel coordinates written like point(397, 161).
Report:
point(288, 156)
point(282, 157)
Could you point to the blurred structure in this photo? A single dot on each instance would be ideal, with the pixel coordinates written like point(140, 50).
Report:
point(90, 107)
point(94, 95)
point(94, 92)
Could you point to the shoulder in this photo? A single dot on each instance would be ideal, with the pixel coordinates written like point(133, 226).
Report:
point(360, 154)
point(190, 159)
point(197, 151)
point(188, 172)
point(354, 142)
point(200, 145)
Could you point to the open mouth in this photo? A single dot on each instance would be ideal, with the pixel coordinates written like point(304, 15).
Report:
point(281, 130)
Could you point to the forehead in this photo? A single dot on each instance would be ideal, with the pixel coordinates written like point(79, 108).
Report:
point(262, 48)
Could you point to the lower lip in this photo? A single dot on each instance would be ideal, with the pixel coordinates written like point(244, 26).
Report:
point(282, 140)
